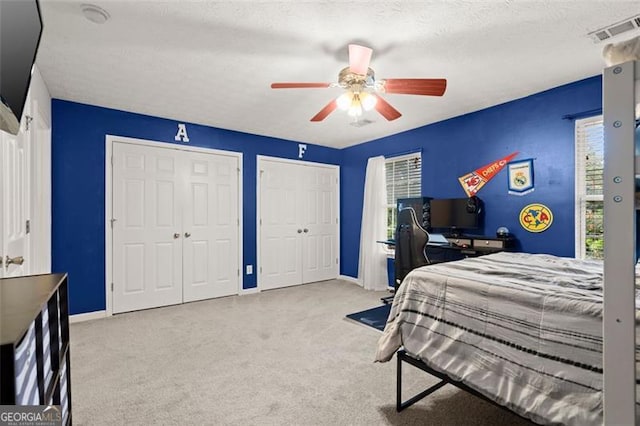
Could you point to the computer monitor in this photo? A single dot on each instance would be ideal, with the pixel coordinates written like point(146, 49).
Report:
point(455, 214)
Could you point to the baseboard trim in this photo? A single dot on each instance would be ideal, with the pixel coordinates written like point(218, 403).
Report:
point(87, 316)
point(251, 290)
point(350, 279)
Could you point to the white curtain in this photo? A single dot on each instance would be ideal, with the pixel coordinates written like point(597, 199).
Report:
point(372, 268)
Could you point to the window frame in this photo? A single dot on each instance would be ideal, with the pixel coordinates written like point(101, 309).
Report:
point(581, 196)
point(393, 206)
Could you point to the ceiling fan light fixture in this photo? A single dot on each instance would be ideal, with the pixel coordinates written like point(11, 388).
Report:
point(344, 101)
point(355, 110)
point(368, 101)
point(361, 88)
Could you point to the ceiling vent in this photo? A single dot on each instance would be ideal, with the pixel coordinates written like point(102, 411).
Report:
point(606, 33)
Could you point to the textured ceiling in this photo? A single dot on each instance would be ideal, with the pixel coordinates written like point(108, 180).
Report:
point(212, 62)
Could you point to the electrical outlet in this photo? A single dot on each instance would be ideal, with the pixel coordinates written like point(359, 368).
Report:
point(249, 269)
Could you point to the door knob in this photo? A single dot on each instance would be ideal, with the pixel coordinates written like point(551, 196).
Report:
point(176, 235)
point(299, 231)
point(187, 235)
point(306, 230)
point(18, 260)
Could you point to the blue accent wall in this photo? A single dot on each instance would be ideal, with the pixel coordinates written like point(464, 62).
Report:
point(78, 172)
point(533, 126)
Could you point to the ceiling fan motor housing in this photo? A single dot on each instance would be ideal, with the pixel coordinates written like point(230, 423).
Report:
point(356, 82)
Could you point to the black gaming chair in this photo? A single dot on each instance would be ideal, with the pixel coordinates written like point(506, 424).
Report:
point(411, 242)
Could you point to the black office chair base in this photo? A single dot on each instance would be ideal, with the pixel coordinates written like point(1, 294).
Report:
point(387, 300)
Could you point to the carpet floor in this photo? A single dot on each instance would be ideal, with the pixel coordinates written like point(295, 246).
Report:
point(279, 357)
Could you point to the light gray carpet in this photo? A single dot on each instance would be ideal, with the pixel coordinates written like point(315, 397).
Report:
point(280, 357)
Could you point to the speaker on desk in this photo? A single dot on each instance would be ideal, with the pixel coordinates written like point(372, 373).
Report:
point(426, 214)
point(473, 204)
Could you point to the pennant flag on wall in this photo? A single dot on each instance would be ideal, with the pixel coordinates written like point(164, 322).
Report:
point(472, 182)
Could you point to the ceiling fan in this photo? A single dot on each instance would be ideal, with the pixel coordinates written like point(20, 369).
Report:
point(362, 88)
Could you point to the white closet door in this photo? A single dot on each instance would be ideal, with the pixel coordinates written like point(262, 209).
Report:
point(15, 202)
point(210, 226)
point(147, 240)
point(280, 230)
point(320, 223)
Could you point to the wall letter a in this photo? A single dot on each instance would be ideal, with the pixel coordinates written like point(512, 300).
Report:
point(182, 133)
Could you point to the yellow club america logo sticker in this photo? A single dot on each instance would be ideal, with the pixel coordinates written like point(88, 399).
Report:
point(536, 217)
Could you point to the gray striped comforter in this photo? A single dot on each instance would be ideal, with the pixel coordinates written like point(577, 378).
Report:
point(523, 329)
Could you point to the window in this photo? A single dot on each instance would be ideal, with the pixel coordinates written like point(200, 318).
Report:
point(589, 188)
point(404, 176)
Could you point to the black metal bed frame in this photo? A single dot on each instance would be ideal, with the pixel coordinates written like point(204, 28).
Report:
point(403, 356)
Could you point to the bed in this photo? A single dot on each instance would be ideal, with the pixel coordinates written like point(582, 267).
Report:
point(523, 330)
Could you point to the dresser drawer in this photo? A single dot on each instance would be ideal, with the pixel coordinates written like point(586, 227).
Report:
point(460, 242)
point(494, 244)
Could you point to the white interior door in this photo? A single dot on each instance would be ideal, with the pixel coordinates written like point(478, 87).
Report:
point(40, 216)
point(210, 226)
point(15, 201)
point(298, 224)
point(280, 230)
point(320, 223)
point(147, 228)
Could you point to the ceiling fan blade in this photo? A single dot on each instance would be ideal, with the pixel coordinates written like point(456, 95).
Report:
point(386, 110)
point(324, 112)
point(299, 85)
point(416, 86)
point(359, 58)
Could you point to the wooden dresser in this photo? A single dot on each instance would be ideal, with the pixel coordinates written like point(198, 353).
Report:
point(34, 342)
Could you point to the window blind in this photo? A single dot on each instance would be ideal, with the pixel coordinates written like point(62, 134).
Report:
point(590, 136)
point(404, 177)
point(404, 180)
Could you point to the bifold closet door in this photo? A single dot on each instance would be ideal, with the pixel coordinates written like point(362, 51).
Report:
point(320, 223)
point(280, 230)
point(176, 229)
point(210, 226)
point(298, 223)
point(147, 240)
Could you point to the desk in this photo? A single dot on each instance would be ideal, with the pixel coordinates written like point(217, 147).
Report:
point(461, 247)
point(458, 248)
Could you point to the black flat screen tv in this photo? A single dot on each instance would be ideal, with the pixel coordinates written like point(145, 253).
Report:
point(20, 32)
point(455, 214)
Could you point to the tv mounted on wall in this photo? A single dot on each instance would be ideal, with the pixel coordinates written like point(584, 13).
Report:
point(20, 32)
point(456, 214)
